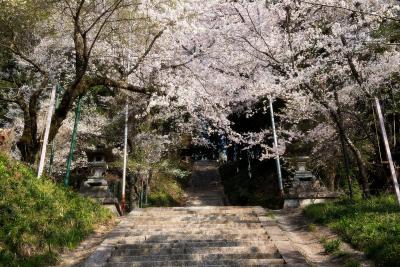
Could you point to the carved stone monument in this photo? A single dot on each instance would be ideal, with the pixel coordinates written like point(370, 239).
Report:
point(96, 185)
point(305, 188)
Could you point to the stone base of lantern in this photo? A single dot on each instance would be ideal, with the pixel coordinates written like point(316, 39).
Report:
point(303, 200)
point(300, 203)
point(97, 189)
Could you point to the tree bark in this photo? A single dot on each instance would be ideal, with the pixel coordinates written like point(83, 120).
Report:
point(342, 131)
point(355, 151)
point(29, 144)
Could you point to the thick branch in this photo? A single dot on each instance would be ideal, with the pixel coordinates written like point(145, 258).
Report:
point(25, 58)
point(146, 52)
point(349, 9)
point(356, 75)
point(260, 51)
point(111, 12)
point(123, 85)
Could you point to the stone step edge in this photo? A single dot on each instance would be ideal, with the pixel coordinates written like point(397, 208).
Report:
point(196, 256)
point(210, 244)
point(185, 250)
point(154, 263)
point(277, 236)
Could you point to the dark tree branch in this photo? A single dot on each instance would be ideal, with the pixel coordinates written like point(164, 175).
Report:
point(146, 52)
point(98, 19)
point(111, 12)
point(349, 9)
point(260, 51)
point(25, 58)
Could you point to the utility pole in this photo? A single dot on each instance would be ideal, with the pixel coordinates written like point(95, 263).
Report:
point(278, 163)
point(58, 91)
point(125, 156)
point(73, 141)
point(387, 148)
point(47, 131)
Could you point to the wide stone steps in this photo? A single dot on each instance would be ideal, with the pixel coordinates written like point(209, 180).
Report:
point(206, 262)
point(177, 238)
point(196, 221)
point(191, 231)
point(193, 236)
point(196, 216)
point(198, 226)
point(197, 257)
point(169, 250)
point(197, 244)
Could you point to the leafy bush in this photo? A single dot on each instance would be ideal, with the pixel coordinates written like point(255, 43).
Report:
point(170, 177)
point(371, 225)
point(39, 217)
point(331, 246)
point(352, 263)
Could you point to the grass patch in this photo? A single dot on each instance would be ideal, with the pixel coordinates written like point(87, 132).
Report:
point(311, 227)
point(372, 225)
point(352, 263)
point(38, 217)
point(332, 246)
point(270, 214)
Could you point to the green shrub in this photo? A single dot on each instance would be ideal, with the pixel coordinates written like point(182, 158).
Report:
point(39, 217)
point(372, 225)
point(352, 263)
point(332, 246)
point(161, 199)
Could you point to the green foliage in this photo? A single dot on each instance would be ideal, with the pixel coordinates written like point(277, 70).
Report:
point(388, 30)
point(371, 225)
point(331, 246)
point(311, 227)
point(19, 18)
point(39, 217)
point(161, 199)
point(352, 263)
point(170, 178)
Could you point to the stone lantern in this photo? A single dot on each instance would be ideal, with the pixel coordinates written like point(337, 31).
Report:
point(96, 185)
point(305, 188)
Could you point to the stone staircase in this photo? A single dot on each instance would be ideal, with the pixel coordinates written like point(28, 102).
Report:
point(205, 187)
point(206, 233)
point(196, 236)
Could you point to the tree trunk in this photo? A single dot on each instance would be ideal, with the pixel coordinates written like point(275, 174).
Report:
point(29, 147)
point(28, 144)
point(355, 151)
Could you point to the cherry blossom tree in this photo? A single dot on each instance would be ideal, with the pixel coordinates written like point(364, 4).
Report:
point(73, 42)
point(201, 61)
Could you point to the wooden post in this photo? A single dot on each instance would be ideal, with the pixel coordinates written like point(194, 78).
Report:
point(47, 131)
point(387, 148)
point(58, 91)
